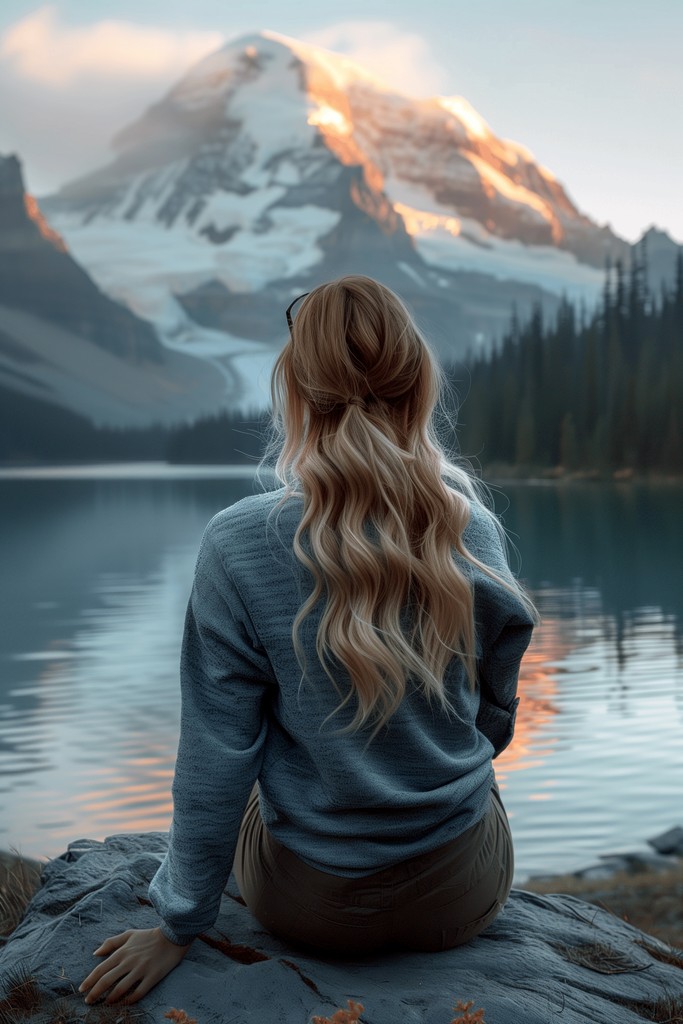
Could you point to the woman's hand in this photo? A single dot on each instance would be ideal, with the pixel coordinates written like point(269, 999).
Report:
point(138, 957)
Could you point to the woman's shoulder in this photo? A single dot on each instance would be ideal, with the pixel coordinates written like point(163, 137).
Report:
point(484, 535)
point(250, 507)
point(247, 523)
point(482, 522)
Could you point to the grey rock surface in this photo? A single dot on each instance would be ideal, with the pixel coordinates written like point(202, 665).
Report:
point(638, 860)
point(632, 862)
point(669, 842)
point(544, 959)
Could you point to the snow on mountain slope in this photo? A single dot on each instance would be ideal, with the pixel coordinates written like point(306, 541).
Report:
point(149, 228)
point(446, 146)
point(145, 265)
point(66, 343)
point(272, 165)
point(48, 362)
point(463, 244)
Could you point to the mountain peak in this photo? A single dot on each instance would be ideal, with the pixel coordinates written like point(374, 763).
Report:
point(273, 160)
point(343, 71)
point(11, 178)
point(240, 61)
point(22, 223)
point(295, 64)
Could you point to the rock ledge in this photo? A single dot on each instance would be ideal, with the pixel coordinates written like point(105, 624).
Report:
point(545, 958)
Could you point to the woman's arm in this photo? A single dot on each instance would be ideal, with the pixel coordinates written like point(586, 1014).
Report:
point(504, 630)
point(498, 675)
point(225, 680)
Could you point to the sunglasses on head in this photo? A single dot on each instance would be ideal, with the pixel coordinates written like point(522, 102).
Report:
point(288, 313)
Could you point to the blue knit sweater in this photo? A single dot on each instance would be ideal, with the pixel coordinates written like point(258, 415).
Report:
point(340, 807)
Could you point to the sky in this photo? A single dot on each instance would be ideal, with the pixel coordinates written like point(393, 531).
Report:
point(593, 88)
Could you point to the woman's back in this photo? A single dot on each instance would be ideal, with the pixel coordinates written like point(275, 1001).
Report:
point(344, 804)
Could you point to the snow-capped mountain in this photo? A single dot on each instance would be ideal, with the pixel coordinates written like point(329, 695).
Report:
point(274, 165)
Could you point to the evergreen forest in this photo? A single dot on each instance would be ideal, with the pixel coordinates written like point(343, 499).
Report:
point(599, 395)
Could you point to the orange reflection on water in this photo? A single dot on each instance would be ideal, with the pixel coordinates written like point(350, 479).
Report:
point(115, 826)
point(134, 795)
point(131, 788)
point(141, 761)
point(121, 798)
point(137, 818)
point(537, 706)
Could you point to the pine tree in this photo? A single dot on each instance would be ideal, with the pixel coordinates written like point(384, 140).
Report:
point(569, 445)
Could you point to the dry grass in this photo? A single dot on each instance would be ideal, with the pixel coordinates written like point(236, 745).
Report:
point(599, 957)
point(19, 879)
point(22, 998)
point(667, 1010)
point(665, 955)
point(649, 900)
point(24, 1002)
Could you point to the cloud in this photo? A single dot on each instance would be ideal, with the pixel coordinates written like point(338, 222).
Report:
point(402, 59)
point(74, 88)
point(42, 49)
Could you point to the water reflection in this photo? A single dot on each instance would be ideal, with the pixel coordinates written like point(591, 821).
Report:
point(96, 575)
point(620, 542)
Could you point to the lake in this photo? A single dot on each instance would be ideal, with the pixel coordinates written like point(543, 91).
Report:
point(96, 571)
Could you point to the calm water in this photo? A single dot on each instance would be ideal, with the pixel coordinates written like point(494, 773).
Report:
point(95, 579)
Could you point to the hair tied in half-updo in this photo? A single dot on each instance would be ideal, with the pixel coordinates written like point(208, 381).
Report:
point(390, 471)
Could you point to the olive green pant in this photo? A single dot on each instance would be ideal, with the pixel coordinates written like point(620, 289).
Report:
point(431, 902)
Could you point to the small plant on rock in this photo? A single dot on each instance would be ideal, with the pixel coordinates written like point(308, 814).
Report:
point(179, 1017)
point(23, 996)
point(349, 1016)
point(467, 1015)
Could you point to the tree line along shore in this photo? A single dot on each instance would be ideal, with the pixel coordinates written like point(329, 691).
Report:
point(585, 397)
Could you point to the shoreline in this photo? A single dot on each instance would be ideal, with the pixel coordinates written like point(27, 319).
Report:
point(502, 473)
point(496, 473)
point(651, 899)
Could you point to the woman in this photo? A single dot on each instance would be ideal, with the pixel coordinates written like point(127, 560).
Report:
point(352, 642)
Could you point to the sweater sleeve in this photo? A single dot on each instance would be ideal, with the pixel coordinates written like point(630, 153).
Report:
point(504, 628)
point(225, 683)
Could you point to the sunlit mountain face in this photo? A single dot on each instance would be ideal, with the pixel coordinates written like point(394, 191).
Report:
point(34, 214)
point(273, 166)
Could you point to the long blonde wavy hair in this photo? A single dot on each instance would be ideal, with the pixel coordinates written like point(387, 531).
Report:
point(354, 394)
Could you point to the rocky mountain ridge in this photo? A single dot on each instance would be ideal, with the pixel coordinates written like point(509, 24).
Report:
point(38, 275)
point(65, 343)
